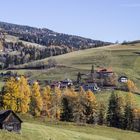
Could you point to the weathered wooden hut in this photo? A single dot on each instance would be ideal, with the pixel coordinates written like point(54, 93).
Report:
point(10, 121)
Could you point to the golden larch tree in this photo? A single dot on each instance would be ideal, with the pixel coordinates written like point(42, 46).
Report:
point(10, 94)
point(36, 100)
point(24, 94)
point(46, 98)
point(91, 107)
point(56, 103)
point(131, 86)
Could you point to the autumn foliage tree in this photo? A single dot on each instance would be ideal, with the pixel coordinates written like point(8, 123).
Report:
point(55, 110)
point(10, 94)
point(46, 98)
point(24, 93)
point(131, 86)
point(78, 105)
point(91, 107)
point(36, 100)
point(81, 106)
point(17, 95)
point(69, 101)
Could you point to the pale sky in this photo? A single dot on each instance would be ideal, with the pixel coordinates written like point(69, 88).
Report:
point(107, 20)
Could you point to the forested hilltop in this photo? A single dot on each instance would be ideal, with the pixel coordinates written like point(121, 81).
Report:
point(48, 37)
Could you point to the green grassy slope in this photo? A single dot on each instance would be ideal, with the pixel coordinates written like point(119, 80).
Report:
point(104, 96)
point(32, 131)
point(124, 59)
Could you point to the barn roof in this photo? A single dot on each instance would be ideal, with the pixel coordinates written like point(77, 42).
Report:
point(5, 113)
point(123, 77)
point(105, 70)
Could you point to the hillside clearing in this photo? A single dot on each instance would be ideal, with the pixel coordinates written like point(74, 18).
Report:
point(32, 131)
point(14, 39)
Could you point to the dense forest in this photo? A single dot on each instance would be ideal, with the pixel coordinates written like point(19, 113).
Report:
point(19, 53)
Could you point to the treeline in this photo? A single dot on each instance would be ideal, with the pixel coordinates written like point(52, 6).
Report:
point(68, 105)
point(19, 53)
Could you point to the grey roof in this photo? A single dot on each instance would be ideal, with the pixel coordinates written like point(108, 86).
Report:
point(5, 113)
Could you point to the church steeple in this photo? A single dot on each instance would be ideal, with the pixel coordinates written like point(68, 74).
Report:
point(92, 69)
point(79, 77)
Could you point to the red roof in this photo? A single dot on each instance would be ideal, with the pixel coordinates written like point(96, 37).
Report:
point(104, 70)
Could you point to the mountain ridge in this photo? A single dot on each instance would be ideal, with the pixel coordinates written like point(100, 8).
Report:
point(45, 36)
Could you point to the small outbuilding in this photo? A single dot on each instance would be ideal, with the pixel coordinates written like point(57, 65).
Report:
point(10, 121)
point(123, 79)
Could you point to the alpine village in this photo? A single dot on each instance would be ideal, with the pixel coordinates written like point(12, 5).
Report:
point(56, 86)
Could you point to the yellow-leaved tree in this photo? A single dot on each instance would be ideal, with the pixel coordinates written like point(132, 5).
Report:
point(69, 105)
point(10, 91)
point(91, 107)
point(17, 95)
point(46, 98)
point(79, 106)
point(56, 103)
point(36, 100)
point(131, 86)
point(24, 94)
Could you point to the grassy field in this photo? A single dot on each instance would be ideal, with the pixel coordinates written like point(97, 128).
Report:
point(35, 131)
point(124, 60)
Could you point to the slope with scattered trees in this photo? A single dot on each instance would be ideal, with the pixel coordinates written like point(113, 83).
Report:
point(48, 37)
point(23, 44)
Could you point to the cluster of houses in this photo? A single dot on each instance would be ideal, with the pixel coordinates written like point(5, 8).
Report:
point(67, 83)
point(96, 80)
point(101, 78)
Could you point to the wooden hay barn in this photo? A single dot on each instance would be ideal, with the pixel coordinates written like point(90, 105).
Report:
point(10, 121)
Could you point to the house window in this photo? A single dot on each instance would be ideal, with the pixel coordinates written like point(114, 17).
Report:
point(9, 127)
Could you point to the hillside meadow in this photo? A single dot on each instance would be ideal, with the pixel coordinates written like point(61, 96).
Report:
point(123, 59)
point(105, 95)
point(67, 131)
